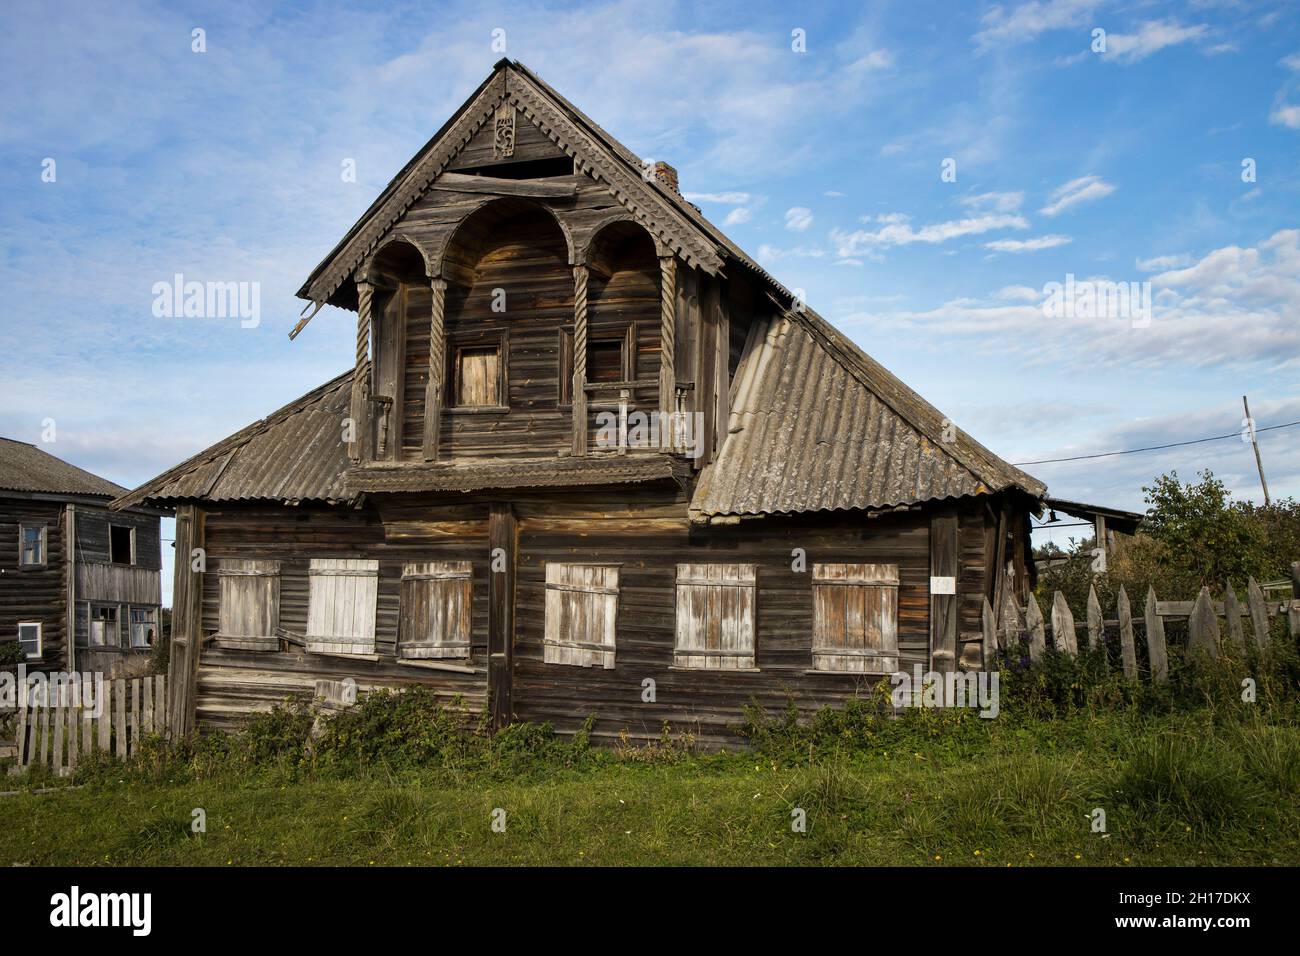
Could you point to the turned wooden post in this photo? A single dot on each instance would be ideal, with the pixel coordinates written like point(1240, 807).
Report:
point(668, 347)
point(433, 388)
point(580, 360)
point(360, 410)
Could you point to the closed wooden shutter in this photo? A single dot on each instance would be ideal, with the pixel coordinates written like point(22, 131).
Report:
point(250, 604)
point(715, 616)
point(435, 614)
point(855, 618)
point(341, 606)
point(581, 614)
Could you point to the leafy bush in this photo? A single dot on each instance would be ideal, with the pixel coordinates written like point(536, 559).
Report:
point(11, 653)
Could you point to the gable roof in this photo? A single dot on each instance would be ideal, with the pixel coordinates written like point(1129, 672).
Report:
point(28, 469)
point(877, 444)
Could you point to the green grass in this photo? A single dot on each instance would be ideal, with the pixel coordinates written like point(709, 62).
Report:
point(929, 789)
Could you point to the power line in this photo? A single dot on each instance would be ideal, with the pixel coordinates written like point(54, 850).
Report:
point(1133, 451)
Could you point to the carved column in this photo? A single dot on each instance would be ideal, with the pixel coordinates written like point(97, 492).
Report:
point(579, 360)
point(360, 410)
point(668, 347)
point(433, 390)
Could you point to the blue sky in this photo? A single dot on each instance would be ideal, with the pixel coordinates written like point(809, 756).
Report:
point(826, 165)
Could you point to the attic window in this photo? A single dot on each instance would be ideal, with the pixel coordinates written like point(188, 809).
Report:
point(478, 375)
point(121, 544)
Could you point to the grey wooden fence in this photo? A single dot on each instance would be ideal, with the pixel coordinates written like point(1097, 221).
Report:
point(1206, 634)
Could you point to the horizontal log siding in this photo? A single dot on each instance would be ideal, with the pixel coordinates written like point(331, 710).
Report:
point(36, 594)
point(235, 684)
point(707, 703)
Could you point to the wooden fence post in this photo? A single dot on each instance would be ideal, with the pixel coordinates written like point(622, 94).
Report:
point(1232, 615)
point(1127, 648)
point(187, 622)
point(1258, 613)
point(1034, 623)
point(1063, 635)
point(1156, 651)
point(1203, 627)
point(1094, 619)
point(988, 628)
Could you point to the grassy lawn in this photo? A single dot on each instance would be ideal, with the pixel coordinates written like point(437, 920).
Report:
point(1175, 790)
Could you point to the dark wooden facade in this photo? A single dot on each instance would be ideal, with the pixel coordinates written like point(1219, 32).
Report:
point(98, 577)
point(452, 512)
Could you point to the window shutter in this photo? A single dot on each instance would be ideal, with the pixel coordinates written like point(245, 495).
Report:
point(435, 613)
point(250, 605)
point(581, 614)
point(715, 616)
point(341, 608)
point(855, 618)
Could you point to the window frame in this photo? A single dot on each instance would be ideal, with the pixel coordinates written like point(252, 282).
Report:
point(601, 601)
point(853, 580)
point(44, 562)
point(150, 620)
point(40, 638)
point(460, 341)
point(364, 645)
point(116, 621)
point(130, 529)
point(249, 573)
point(734, 584)
point(431, 583)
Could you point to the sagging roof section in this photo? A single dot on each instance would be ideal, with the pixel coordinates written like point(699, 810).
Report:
point(536, 472)
point(295, 454)
point(26, 468)
point(811, 430)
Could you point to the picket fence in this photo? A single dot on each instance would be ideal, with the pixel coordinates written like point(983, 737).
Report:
point(58, 724)
point(1205, 635)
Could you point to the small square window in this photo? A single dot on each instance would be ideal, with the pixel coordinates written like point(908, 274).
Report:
point(29, 636)
point(121, 544)
point(31, 545)
point(144, 627)
point(476, 381)
point(103, 627)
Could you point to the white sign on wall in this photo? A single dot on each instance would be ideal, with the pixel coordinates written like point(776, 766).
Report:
point(943, 585)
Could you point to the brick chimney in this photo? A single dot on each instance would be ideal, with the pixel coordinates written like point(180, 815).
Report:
point(667, 176)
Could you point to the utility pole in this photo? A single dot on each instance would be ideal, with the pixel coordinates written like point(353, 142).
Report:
point(1259, 462)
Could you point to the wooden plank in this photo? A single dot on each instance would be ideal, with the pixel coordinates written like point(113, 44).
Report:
point(104, 722)
point(1258, 613)
point(44, 751)
point(87, 722)
point(497, 186)
point(988, 631)
point(1034, 624)
point(1157, 653)
point(134, 719)
point(1063, 636)
point(146, 689)
point(74, 721)
point(20, 737)
point(1203, 627)
point(1094, 620)
point(1127, 647)
point(943, 607)
point(59, 718)
point(160, 703)
point(187, 611)
point(1232, 612)
point(503, 543)
point(119, 719)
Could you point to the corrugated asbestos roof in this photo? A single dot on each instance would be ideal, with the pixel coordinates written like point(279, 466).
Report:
point(810, 431)
point(26, 468)
point(294, 454)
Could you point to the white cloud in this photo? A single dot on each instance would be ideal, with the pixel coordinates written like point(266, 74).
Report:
point(724, 198)
point(1162, 263)
point(770, 253)
point(1284, 115)
point(1152, 36)
point(737, 216)
point(1076, 191)
point(994, 201)
point(1028, 245)
point(798, 219)
point(895, 231)
point(1018, 293)
point(1291, 62)
point(1028, 20)
point(833, 194)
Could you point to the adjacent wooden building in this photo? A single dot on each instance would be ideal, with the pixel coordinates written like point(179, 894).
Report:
point(70, 566)
point(589, 458)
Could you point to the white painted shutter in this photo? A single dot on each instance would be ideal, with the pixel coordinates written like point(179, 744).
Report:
point(435, 615)
point(715, 616)
point(341, 607)
point(250, 604)
point(581, 614)
point(855, 618)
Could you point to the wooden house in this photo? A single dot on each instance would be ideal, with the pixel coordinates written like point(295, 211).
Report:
point(69, 565)
point(590, 458)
